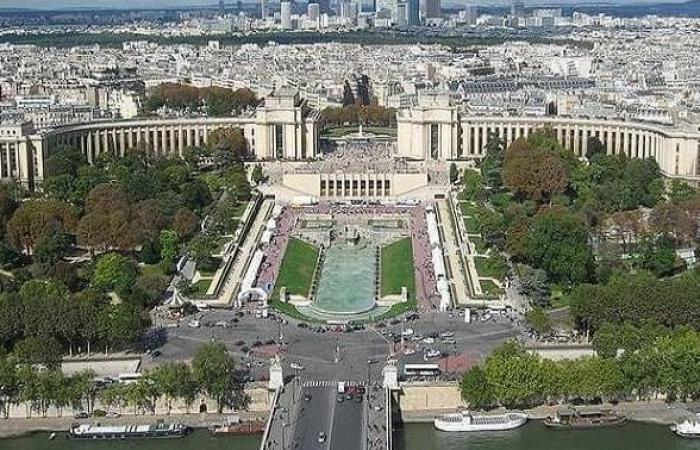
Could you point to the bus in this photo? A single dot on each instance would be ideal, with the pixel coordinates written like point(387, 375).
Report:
point(421, 370)
point(130, 377)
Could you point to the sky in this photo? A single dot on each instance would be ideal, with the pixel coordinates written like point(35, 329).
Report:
point(129, 4)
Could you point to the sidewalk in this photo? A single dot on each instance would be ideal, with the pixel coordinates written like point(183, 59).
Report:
point(19, 427)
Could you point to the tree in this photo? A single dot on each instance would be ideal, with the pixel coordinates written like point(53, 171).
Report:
point(475, 388)
point(534, 172)
point(200, 249)
point(52, 247)
point(679, 191)
point(110, 222)
point(120, 325)
point(214, 370)
point(32, 350)
point(115, 272)
point(657, 255)
point(185, 223)
point(169, 244)
point(534, 284)
point(172, 381)
point(594, 147)
point(257, 174)
point(558, 243)
point(492, 164)
point(36, 219)
point(538, 320)
point(473, 186)
point(454, 173)
point(228, 145)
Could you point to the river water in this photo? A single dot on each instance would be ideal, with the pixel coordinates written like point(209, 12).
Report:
point(533, 436)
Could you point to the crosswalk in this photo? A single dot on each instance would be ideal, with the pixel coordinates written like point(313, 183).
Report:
point(319, 384)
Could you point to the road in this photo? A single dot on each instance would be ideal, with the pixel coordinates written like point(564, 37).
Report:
point(314, 416)
point(316, 351)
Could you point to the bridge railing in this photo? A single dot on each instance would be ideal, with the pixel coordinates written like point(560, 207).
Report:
point(268, 425)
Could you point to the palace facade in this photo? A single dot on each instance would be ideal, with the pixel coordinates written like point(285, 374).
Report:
point(285, 128)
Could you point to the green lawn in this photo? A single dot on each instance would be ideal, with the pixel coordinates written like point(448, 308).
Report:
point(493, 266)
point(468, 209)
point(297, 268)
point(397, 268)
point(200, 287)
point(472, 224)
point(479, 243)
point(240, 209)
point(490, 289)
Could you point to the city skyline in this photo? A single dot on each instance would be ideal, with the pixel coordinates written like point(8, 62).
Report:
point(174, 4)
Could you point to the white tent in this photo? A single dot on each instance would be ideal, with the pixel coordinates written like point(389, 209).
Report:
point(438, 263)
point(271, 224)
point(175, 301)
point(444, 291)
point(433, 234)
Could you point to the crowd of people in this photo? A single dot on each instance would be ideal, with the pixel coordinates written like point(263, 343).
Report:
point(357, 157)
point(274, 250)
point(426, 282)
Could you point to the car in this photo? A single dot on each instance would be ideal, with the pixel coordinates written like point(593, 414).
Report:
point(81, 415)
point(222, 324)
point(428, 340)
point(432, 353)
point(358, 398)
point(407, 332)
point(112, 415)
point(321, 437)
point(307, 397)
point(239, 343)
point(409, 352)
point(340, 398)
point(447, 335)
point(349, 396)
point(371, 360)
point(296, 366)
point(194, 324)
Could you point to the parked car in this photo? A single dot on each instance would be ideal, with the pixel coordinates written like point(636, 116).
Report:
point(81, 415)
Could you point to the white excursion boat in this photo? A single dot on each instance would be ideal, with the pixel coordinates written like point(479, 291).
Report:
point(465, 421)
point(689, 428)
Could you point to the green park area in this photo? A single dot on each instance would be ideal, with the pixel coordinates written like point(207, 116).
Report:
point(297, 270)
point(397, 268)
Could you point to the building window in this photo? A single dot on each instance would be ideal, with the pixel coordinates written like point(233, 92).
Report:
point(279, 142)
point(434, 140)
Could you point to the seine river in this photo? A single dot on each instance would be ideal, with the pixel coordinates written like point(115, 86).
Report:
point(532, 436)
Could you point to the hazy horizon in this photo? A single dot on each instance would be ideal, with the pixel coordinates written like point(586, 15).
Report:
point(171, 4)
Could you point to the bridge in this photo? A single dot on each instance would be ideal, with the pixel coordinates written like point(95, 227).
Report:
point(330, 414)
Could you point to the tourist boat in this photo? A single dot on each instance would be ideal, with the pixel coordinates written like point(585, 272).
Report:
point(236, 427)
point(158, 430)
point(584, 419)
point(466, 421)
point(689, 428)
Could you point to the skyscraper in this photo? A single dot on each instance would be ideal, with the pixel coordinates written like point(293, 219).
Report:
point(432, 9)
point(401, 15)
point(413, 13)
point(286, 15)
point(264, 12)
point(313, 11)
point(517, 8)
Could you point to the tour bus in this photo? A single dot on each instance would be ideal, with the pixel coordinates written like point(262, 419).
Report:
point(130, 377)
point(421, 370)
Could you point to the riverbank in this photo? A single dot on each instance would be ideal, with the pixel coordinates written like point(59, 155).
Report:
point(11, 428)
point(652, 412)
